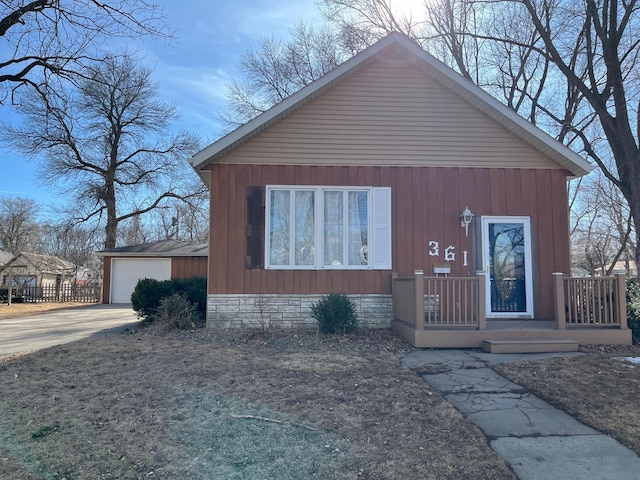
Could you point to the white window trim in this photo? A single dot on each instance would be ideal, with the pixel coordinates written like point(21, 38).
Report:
point(319, 223)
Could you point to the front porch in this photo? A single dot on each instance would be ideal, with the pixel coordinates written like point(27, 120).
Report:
point(450, 312)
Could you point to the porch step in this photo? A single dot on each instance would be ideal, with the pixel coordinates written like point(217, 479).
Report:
point(529, 346)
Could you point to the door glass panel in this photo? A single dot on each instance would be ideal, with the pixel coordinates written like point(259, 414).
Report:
point(508, 274)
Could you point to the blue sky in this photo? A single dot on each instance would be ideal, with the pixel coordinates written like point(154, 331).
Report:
point(192, 72)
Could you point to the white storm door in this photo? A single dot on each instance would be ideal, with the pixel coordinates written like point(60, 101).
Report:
point(506, 246)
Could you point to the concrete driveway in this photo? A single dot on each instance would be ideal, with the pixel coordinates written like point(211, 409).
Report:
point(26, 334)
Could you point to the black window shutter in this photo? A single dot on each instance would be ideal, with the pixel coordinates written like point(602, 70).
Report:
point(254, 230)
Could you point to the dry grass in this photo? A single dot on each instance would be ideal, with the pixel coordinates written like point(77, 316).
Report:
point(276, 405)
point(17, 310)
point(197, 405)
point(597, 389)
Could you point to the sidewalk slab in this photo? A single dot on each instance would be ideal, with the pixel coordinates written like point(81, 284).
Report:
point(495, 358)
point(593, 457)
point(478, 380)
point(452, 359)
point(513, 414)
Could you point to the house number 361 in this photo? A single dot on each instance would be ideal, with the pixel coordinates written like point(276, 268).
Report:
point(449, 252)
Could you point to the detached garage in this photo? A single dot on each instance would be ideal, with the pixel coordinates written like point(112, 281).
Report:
point(124, 266)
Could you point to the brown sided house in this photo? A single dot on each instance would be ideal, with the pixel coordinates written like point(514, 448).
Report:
point(124, 266)
point(393, 174)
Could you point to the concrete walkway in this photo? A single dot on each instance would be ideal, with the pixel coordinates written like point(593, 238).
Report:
point(27, 334)
point(537, 440)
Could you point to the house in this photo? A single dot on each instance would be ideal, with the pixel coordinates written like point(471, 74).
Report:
point(393, 179)
point(35, 270)
point(124, 266)
point(5, 257)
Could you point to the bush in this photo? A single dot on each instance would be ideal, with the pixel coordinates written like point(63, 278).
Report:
point(633, 308)
point(335, 313)
point(146, 297)
point(195, 289)
point(176, 311)
point(149, 293)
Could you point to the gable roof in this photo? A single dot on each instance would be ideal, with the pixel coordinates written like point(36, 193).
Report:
point(42, 263)
point(428, 64)
point(162, 248)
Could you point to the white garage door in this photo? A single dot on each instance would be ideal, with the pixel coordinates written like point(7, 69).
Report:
point(125, 273)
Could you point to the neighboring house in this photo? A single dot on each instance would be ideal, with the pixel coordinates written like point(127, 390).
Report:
point(391, 163)
point(35, 270)
point(162, 260)
point(5, 257)
point(627, 267)
point(90, 273)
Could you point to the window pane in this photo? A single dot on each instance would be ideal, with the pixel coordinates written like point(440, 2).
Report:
point(305, 228)
point(333, 229)
point(358, 246)
point(279, 227)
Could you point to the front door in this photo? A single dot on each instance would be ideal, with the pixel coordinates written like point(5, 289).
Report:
point(507, 258)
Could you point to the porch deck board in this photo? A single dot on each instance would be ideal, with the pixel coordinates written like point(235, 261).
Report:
point(505, 330)
point(521, 324)
point(530, 346)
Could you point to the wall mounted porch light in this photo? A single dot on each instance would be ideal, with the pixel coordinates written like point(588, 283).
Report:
point(465, 220)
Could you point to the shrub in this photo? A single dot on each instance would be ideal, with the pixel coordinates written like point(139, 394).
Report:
point(176, 311)
point(146, 297)
point(195, 289)
point(335, 313)
point(633, 308)
point(149, 293)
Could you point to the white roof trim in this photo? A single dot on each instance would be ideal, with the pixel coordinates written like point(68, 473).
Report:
point(433, 67)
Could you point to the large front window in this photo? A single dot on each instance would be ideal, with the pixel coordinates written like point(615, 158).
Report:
point(322, 227)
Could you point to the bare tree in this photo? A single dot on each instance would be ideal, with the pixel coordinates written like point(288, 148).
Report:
point(41, 39)
point(108, 144)
point(74, 243)
point(278, 68)
point(569, 66)
point(18, 224)
point(186, 222)
point(361, 23)
point(601, 227)
point(608, 50)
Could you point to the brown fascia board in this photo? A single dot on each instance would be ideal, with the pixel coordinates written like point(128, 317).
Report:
point(432, 67)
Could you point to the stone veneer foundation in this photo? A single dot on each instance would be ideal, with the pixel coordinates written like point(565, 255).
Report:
point(288, 311)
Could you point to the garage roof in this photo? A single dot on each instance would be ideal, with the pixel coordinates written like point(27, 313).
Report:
point(163, 248)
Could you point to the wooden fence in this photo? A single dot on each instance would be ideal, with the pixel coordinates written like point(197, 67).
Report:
point(52, 293)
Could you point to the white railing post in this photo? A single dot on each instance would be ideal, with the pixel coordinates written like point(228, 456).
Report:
point(558, 294)
point(482, 303)
point(419, 299)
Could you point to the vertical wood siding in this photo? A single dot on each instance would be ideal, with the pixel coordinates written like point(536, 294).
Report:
point(426, 206)
point(106, 280)
point(185, 267)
